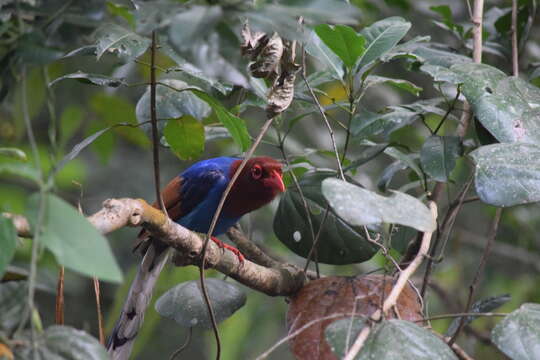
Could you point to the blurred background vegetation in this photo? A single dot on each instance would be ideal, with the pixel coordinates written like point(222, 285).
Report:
point(37, 35)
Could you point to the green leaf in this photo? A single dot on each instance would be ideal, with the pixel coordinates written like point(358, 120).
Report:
point(398, 83)
point(438, 156)
point(408, 159)
point(338, 332)
point(366, 123)
point(404, 340)
point(124, 43)
point(61, 343)
point(481, 306)
point(75, 243)
point(381, 37)
point(518, 335)
point(192, 25)
point(8, 243)
point(506, 106)
point(437, 56)
point(122, 11)
point(338, 244)
point(185, 136)
point(12, 304)
point(172, 101)
point(13, 153)
point(317, 49)
point(507, 174)
point(17, 168)
point(94, 79)
point(185, 304)
point(195, 75)
point(367, 155)
point(236, 126)
point(343, 41)
point(87, 50)
point(361, 207)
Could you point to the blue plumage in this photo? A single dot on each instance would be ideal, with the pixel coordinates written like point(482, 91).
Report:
point(201, 189)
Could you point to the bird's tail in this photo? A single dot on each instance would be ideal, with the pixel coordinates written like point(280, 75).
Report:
point(131, 318)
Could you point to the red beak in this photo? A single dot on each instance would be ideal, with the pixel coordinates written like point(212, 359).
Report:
point(279, 180)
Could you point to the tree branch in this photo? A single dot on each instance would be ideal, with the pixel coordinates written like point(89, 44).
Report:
point(283, 280)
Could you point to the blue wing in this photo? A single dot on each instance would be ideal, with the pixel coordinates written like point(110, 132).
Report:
point(193, 198)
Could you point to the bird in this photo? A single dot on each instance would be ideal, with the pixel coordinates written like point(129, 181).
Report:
point(191, 199)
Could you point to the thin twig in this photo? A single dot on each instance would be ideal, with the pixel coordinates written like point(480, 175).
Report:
point(281, 141)
point(297, 332)
point(59, 305)
point(97, 293)
point(444, 232)
point(323, 114)
point(477, 17)
point(514, 30)
point(184, 345)
point(248, 155)
point(313, 249)
point(153, 118)
point(449, 316)
point(391, 300)
point(490, 240)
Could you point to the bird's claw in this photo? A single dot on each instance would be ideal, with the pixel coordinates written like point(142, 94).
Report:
point(234, 250)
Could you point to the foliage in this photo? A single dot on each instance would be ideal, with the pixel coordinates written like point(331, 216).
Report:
point(392, 98)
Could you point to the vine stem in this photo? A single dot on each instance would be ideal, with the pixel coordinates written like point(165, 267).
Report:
point(401, 282)
point(323, 114)
point(219, 208)
point(153, 118)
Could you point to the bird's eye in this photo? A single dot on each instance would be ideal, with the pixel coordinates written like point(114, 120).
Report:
point(256, 172)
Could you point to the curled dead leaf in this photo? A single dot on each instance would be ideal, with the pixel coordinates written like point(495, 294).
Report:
point(335, 296)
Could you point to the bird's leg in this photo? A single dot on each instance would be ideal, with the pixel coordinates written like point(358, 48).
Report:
point(234, 250)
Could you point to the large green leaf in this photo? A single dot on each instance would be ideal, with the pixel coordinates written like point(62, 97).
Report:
point(381, 37)
point(20, 169)
point(61, 343)
point(8, 242)
point(192, 25)
point(360, 207)
point(185, 136)
point(172, 101)
point(75, 243)
point(185, 304)
point(506, 106)
point(343, 41)
point(339, 243)
point(366, 123)
point(397, 83)
point(338, 332)
point(317, 48)
point(124, 43)
point(438, 156)
point(236, 126)
point(434, 55)
point(186, 69)
point(404, 340)
point(518, 335)
point(12, 303)
point(507, 174)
